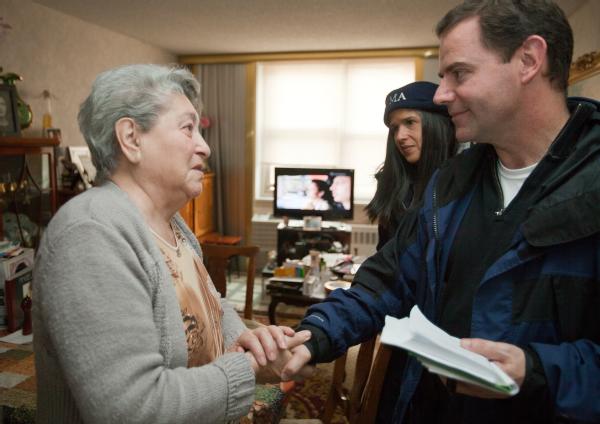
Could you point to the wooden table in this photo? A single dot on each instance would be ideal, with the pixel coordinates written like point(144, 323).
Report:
point(216, 238)
point(288, 291)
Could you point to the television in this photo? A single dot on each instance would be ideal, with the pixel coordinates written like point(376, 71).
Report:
point(324, 192)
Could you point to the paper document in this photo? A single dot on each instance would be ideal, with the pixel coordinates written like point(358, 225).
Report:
point(442, 354)
point(17, 338)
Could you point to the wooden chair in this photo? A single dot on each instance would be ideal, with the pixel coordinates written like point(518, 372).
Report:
point(357, 382)
point(216, 258)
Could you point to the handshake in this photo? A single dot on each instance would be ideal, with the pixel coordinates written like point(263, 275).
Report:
point(276, 353)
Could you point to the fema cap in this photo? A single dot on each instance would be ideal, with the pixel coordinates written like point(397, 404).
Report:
point(417, 95)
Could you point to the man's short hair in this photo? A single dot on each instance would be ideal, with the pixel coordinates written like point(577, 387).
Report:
point(505, 24)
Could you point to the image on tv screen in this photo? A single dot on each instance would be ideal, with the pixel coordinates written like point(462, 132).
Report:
point(325, 192)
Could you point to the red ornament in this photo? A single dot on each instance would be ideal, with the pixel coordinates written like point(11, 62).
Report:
point(204, 122)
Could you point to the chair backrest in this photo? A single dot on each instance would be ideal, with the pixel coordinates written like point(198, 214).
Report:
point(357, 382)
point(216, 257)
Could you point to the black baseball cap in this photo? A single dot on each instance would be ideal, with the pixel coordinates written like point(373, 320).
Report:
point(416, 95)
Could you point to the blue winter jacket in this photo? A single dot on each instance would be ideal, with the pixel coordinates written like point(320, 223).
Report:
point(542, 294)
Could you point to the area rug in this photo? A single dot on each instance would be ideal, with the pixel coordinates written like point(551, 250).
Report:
point(17, 384)
point(308, 398)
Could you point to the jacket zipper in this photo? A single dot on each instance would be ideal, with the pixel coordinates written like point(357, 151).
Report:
point(500, 211)
point(438, 254)
point(550, 152)
point(436, 234)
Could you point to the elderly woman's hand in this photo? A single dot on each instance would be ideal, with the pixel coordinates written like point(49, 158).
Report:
point(269, 349)
point(263, 342)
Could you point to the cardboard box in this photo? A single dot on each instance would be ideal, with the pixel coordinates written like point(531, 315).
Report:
point(10, 266)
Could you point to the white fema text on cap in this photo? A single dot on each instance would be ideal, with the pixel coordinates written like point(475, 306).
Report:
point(397, 97)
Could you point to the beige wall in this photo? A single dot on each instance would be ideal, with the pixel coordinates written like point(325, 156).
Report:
point(586, 28)
point(54, 51)
point(587, 39)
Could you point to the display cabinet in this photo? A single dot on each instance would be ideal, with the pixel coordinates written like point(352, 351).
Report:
point(198, 213)
point(295, 242)
point(24, 198)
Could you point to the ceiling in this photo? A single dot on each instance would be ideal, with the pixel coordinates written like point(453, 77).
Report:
point(259, 26)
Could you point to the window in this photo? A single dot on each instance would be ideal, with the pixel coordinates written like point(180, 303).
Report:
point(325, 114)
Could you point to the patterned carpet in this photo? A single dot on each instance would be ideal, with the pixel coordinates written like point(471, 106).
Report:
point(17, 384)
point(309, 397)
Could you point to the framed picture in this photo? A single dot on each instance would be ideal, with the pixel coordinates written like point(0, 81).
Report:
point(81, 158)
point(312, 223)
point(9, 116)
point(54, 133)
point(584, 79)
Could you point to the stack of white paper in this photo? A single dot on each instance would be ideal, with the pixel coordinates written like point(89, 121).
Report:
point(442, 354)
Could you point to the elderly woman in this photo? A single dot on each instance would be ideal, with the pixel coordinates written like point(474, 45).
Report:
point(128, 326)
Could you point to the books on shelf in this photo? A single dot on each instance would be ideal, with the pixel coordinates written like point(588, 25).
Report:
point(9, 249)
point(442, 354)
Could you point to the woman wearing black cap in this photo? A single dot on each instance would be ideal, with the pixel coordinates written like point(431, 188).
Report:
point(420, 138)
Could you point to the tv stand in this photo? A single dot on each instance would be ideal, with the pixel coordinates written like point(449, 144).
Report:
point(294, 242)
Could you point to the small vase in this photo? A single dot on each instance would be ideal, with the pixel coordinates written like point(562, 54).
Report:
point(23, 109)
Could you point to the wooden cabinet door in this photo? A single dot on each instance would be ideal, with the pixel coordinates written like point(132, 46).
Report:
point(204, 208)
point(187, 213)
point(198, 213)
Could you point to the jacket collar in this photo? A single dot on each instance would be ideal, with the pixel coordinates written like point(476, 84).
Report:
point(568, 207)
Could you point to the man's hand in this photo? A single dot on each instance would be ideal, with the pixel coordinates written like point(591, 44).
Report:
point(272, 372)
point(297, 363)
point(510, 358)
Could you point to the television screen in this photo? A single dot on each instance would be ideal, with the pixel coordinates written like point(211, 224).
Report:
point(328, 193)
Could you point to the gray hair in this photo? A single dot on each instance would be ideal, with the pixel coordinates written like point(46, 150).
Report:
point(138, 92)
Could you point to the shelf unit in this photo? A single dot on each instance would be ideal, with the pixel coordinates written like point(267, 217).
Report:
point(30, 146)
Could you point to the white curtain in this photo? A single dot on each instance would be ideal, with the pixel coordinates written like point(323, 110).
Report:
point(325, 114)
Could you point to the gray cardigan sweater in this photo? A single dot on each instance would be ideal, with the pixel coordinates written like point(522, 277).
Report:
point(108, 333)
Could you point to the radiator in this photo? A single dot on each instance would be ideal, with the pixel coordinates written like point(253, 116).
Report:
point(364, 239)
point(263, 235)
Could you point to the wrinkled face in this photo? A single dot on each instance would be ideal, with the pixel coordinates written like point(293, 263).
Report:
point(173, 152)
point(479, 89)
point(340, 188)
point(408, 133)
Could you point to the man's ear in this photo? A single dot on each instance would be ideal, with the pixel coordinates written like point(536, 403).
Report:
point(533, 58)
point(128, 138)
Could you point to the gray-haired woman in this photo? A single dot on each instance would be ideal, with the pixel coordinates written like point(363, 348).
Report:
point(128, 326)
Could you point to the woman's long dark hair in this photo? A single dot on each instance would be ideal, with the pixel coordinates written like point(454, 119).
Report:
point(396, 176)
point(322, 186)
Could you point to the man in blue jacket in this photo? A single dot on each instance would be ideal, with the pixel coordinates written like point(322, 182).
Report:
point(505, 252)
